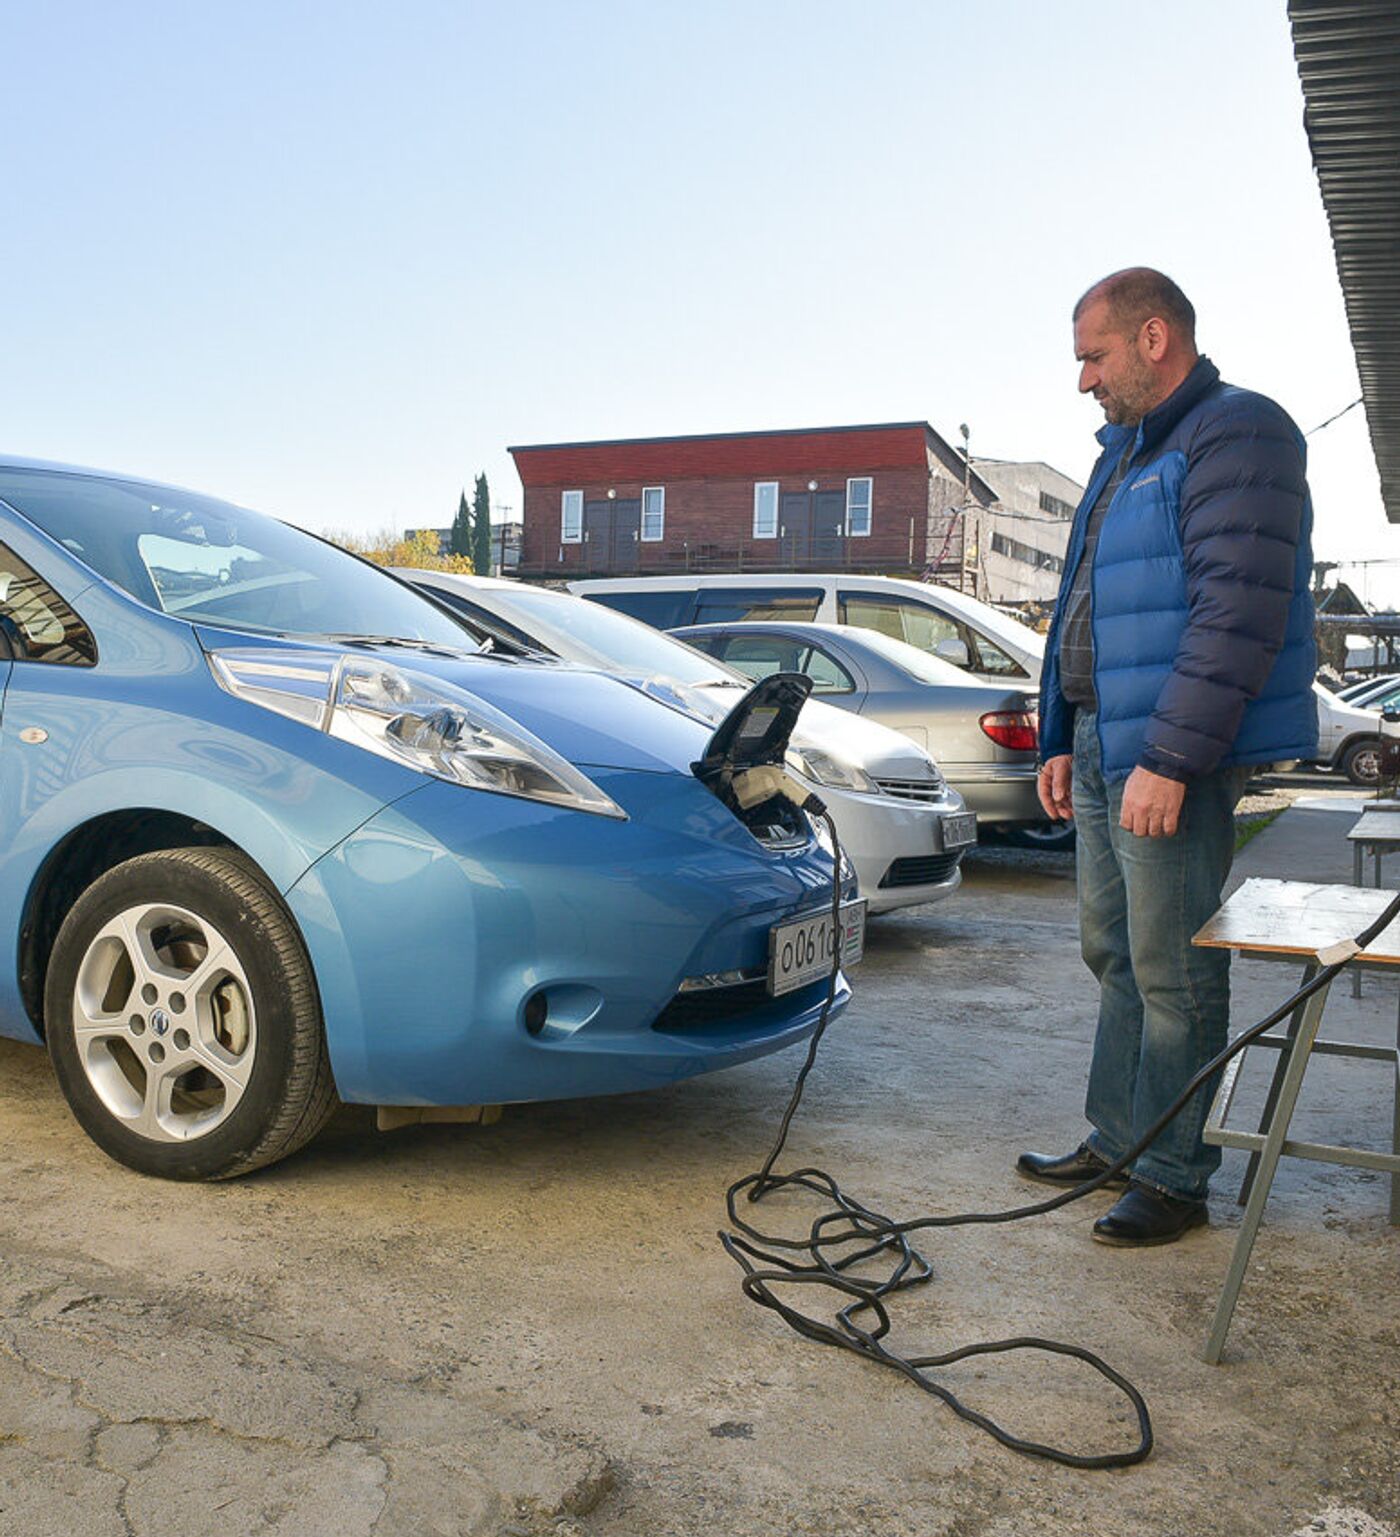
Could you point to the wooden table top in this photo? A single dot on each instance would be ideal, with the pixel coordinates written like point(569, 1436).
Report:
point(1296, 918)
point(1375, 826)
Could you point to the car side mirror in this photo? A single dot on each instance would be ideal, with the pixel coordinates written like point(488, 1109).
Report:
point(954, 650)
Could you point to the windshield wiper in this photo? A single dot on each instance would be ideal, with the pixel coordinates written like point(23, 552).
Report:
point(431, 647)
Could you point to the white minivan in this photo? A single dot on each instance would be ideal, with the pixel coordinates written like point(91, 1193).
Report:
point(948, 624)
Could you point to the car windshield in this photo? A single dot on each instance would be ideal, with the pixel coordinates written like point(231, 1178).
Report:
point(210, 562)
point(594, 636)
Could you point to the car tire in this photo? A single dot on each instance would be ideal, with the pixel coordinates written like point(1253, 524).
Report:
point(1361, 762)
point(183, 1019)
point(1049, 837)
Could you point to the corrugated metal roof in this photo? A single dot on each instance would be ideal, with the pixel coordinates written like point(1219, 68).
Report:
point(1348, 54)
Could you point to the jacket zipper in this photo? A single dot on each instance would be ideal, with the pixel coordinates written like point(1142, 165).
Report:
point(1129, 454)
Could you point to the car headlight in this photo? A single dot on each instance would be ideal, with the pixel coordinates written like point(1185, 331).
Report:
point(824, 769)
point(822, 833)
point(422, 722)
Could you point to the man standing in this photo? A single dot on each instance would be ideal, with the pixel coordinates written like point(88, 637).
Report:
point(1181, 654)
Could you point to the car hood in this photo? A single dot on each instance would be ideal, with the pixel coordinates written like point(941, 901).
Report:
point(589, 718)
point(1341, 712)
point(879, 751)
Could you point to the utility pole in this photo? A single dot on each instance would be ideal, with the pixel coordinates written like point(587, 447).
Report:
point(501, 513)
point(970, 519)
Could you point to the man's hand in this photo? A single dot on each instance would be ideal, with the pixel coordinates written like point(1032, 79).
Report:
point(1151, 804)
point(1052, 785)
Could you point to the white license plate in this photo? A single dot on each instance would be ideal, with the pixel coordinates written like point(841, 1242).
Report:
point(800, 951)
point(959, 830)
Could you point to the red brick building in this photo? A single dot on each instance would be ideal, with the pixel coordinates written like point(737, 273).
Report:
point(887, 498)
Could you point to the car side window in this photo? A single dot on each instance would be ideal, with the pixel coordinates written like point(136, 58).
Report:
point(827, 674)
point(901, 619)
point(759, 656)
point(991, 658)
point(919, 624)
point(731, 605)
point(38, 625)
point(662, 610)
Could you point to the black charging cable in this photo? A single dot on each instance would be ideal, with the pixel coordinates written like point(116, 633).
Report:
point(848, 1234)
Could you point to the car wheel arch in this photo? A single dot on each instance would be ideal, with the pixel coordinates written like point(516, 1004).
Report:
point(84, 854)
point(1352, 748)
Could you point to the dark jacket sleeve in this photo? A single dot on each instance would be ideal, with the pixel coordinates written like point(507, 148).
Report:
point(1241, 512)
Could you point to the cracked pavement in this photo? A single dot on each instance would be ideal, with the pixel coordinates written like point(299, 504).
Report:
point(530, 1328)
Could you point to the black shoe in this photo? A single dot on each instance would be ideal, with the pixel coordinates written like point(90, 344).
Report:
point(1074, 1168)
point(1144, 1216)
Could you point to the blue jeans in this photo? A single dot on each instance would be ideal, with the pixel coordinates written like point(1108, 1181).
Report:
point(1164, 1005)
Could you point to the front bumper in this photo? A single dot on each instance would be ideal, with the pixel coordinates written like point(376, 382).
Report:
point(435, 925)
point(896, 846)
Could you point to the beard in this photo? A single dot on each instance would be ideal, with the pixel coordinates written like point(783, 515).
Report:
point(1134, 394)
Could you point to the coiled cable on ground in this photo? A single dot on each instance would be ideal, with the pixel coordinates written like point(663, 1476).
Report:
point(849, 1235)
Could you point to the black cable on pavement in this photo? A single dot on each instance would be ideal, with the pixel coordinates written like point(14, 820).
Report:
point(846, 1222)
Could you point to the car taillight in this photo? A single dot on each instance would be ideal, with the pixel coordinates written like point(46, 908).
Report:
point(1015, 729)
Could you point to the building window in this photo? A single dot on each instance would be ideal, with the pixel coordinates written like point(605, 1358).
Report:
point(1014, 549)
point(653, 513)
point(1054, 506)
point(571, 518)
point(858, 493)
point(765, 509)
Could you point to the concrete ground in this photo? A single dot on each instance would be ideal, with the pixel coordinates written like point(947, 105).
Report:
point(531, 1328)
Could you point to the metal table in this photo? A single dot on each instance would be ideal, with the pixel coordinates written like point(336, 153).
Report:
point(1378, 831)
point(1292, 921)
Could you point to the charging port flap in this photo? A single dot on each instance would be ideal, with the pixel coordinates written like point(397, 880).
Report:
point(757, 730)
point(744, 762)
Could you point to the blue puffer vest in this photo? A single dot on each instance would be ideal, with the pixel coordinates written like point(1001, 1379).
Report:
point(1201, 612)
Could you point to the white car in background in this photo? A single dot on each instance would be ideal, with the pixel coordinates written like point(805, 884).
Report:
point(1348, 738)
point(985, 643)
point(1371, 693)
point(901, 826)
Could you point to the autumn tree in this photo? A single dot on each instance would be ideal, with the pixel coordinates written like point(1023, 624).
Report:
point(387, 548)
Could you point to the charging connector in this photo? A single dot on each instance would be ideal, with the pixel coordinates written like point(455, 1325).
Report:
point(753, 786)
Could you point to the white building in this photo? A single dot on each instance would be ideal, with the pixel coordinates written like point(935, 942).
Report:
point(1025, 534)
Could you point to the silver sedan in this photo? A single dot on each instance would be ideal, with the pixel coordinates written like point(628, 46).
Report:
point(900, 825)
point(984, 736)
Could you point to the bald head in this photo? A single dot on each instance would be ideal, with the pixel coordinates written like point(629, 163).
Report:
point(1135, 338)
point(1139, 294)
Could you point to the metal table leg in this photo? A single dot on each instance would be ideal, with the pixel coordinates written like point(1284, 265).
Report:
point(1395, 1131)
point(1297, 1060)
point(1295, 1019)
point(1358, 854)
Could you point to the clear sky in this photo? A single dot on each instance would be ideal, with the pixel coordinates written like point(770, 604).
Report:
point(329, 259)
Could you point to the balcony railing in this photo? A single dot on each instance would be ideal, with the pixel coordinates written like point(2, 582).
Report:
point(890, 555)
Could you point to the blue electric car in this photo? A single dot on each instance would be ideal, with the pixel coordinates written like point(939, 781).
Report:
point(274, 829)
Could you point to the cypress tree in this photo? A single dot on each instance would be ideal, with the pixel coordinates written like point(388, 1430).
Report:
point(461, 541)
point(480, 551)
